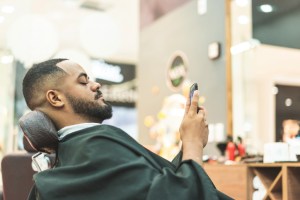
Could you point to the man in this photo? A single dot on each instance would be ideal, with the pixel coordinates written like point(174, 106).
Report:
point(97, 161)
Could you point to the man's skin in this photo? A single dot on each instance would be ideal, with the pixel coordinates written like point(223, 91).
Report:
point(54, 102)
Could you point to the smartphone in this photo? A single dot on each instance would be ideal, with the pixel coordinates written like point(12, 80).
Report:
point(192, 89)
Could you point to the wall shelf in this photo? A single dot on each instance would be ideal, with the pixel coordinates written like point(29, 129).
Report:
point(280, 180)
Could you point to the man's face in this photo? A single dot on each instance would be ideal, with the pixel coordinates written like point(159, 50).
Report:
point(83, 95)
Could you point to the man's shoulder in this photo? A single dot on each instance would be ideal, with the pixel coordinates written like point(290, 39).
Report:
point(99, 134)
point(108, 138)
point(108, 131)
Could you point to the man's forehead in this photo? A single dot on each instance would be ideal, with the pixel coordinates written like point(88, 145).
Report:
point(70, 67)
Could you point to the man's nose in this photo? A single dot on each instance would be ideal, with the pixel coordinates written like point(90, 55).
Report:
point(95, 86)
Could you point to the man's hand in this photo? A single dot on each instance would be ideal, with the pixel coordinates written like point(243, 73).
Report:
point(193, 130)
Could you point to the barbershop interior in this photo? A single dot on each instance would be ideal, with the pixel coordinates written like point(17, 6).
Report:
point(243, 54)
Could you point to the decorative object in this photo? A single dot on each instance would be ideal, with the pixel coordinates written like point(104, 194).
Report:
point(214, 50)
point(177, 70)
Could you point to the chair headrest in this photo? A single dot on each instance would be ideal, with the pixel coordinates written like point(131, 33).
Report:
point(27, 146)
point(39, 131)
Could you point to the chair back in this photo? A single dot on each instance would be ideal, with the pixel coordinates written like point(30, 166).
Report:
point(17, 175)
point(40, 135)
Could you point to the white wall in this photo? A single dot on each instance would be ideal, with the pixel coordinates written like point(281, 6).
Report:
point(7, 93)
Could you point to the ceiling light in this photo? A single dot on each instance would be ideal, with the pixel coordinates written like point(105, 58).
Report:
point(8, 9)
point(288, 102)
point(266, 8)
point(202, 7)
point(39, 39)
point(275, 90)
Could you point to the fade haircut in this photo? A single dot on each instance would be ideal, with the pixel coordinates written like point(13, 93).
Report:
point(37, 78)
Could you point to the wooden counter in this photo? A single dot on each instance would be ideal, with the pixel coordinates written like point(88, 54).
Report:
point(281, 180)
point(229, 179)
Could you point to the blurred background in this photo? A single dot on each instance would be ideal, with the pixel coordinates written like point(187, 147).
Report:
point(146, 53)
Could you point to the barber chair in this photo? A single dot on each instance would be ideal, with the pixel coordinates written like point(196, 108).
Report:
point(39, 131)
point(17, 175)
point(17, 168)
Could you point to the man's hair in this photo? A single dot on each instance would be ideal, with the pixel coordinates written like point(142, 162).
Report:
point(37, 78)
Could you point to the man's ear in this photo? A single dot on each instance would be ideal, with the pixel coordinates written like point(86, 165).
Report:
point(54, 98)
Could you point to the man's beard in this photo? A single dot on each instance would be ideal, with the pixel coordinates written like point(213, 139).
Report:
point(90, 109)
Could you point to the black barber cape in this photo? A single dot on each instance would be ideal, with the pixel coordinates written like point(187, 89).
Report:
point(104, 162)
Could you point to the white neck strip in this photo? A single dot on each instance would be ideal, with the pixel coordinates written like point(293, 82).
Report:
point(73, 128)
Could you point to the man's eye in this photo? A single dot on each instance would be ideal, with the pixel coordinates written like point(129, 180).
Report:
point(83, 83)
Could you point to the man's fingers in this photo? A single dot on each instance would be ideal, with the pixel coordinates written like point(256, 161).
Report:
point(194, 103)
point(187, 106)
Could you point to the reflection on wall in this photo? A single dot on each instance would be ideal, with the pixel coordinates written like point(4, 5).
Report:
point(255, 73)
point(259, 67)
